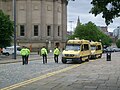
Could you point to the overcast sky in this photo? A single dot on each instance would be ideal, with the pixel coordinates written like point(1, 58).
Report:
point(81, 8)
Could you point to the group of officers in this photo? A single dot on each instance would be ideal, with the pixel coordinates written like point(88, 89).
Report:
point(25, 52)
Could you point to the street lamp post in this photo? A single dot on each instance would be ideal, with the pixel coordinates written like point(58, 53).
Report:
point(14, 16)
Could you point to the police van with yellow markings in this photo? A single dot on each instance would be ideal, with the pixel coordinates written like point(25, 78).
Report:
point(76, 50)
point(96, 49)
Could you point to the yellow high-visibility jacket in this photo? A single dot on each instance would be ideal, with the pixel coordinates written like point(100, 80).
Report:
point(27, 51)
point(56, 51)
point(44, 51)
point(23, 52)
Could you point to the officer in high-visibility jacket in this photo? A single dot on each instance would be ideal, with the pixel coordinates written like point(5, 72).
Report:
point(44, 54)
point(56, 54)
point(27, 54)
point(23, 54)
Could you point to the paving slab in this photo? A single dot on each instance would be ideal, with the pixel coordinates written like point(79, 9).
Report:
point(94, 75)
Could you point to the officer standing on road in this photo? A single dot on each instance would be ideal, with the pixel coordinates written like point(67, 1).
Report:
point(23, 54)
point(44, 54)
point(27, 54)
point(56, 54)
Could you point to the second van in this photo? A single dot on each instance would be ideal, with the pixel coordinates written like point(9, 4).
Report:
point(96, 49)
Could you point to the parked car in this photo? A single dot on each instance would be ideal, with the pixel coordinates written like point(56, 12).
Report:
point(116, 49)
point(10, 50)
point(109, 49)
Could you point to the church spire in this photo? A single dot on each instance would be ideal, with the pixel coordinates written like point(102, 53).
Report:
point(78, 21)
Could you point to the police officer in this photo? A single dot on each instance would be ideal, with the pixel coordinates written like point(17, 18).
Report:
point(44, 54)
point(27, 54)
point(23, 54)
point(56, 54)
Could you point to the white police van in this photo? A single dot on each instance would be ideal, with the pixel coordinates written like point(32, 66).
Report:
point(10, 50)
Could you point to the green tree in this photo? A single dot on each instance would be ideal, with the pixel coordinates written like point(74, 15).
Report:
point(118, 43)
point(90, 31)
point(6, 30)
point(110, 9)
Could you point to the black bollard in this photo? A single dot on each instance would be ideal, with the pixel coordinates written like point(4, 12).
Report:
point(108, 56)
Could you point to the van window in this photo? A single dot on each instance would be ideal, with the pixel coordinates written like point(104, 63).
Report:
point(82, 48)
point(93, 47)
point(86, 47)
point(99, 47)
point(75, 47)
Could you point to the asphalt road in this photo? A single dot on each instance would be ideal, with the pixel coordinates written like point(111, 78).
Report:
point(12, 73)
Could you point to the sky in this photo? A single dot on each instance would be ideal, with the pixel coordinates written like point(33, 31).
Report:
point(81, 8)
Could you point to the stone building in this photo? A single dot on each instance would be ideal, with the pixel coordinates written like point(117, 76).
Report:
point(116, 32)
point(39, 22)
point(104, 29)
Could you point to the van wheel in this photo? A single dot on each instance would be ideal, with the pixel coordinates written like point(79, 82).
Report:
point(80, 61)
point(64, 60)
point(95, 57)
point(87, 59)
point(100, 56)
point(7, 54)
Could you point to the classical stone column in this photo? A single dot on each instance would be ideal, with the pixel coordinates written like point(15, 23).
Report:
point(43, 20)
point(64, 20)
point(55, 19)
point(1, 5)
point(28, 20)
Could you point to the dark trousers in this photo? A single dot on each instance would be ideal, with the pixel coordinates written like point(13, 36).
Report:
point(44, 58)
point(24, 59)
point(56, 58)
point(27, 56)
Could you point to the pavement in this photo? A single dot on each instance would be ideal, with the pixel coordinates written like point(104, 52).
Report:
point(98, 74)
point(33, 56)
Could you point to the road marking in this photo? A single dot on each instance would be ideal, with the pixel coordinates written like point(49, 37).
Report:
point(39, 78)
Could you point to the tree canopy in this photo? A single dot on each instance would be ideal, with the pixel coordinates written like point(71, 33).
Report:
point(6, 30)
point(118, 43)
point(90, 31)
point(110, 9)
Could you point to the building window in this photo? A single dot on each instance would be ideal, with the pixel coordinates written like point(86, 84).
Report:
point(36, 7)
point(59, 9)
point(49, 8)
point(35, 30)
point(58, 30)
point(22, 30)
point(48, 30)
point(98, 47)
point(22, 7)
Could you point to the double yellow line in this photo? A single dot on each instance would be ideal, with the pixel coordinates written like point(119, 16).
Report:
point(39, 78)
